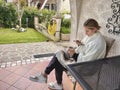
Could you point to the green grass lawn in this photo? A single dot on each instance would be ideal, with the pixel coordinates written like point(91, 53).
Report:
point(8, 36)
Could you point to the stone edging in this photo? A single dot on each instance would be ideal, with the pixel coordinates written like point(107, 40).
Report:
point(23, 62)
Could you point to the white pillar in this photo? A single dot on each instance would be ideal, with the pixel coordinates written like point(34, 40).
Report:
point(58, 2)
point(75, 6)
point(36, 22)
point(29, 3)
point(57, 34)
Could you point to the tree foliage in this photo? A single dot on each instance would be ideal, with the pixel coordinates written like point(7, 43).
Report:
point(8, 15)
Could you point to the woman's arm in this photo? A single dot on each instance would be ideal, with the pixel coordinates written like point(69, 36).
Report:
point(78, 42)
point(91, 52)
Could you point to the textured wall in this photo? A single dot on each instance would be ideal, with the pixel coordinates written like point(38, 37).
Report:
point(65, 6)
point(101, 11)
point(75, 6)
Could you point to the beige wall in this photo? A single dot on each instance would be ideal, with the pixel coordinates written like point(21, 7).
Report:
point(101, 11)
point(65, 6)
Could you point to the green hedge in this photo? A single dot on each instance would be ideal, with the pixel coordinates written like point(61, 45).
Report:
point(65, 30)
point(9, 17)
point(65, 25)
point(8, 14)
point(30, 12)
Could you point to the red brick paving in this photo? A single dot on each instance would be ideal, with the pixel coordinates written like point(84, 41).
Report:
point(3, 86)
point(16, 78)
point(4, 74)
point(11, 79)
point(23, 83)
point(13, 88)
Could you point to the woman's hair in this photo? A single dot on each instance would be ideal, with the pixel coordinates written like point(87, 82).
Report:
point(91, 23)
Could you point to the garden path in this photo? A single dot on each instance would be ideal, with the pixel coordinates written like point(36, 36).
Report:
point(14, 54)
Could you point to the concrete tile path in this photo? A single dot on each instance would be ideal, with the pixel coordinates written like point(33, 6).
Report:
point(16, 54)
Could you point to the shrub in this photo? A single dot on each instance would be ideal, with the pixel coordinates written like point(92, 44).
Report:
point(65, 30)
point(65, 25)
point(46, 15)
point(28, 15)
point(29, 12)
point(8, 15)
point(23, 3)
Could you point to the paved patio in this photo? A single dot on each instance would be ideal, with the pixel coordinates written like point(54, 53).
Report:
point(17, 77)
point(17, 63)
point(17, 54)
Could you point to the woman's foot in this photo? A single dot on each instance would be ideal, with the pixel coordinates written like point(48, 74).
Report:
point(55, 86)
point(39, 78)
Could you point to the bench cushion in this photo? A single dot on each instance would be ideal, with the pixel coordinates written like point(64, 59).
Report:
point(109, 43)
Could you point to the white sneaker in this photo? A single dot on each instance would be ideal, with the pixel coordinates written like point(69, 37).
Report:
point(55, 86)
point(39, 78)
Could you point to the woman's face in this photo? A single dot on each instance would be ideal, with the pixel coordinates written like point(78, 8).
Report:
point(90, 31)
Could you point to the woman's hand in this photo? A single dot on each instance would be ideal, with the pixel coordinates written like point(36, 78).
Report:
point(71, 52)
point(78, 42)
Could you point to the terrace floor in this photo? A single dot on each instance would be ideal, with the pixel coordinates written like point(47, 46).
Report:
point(17, 77)
point(17, 63)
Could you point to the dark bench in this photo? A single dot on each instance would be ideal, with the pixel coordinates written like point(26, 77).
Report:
point(103, 74)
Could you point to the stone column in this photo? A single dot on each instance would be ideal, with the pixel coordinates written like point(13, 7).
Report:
point(58, 2)
point(75, 7)
point(57, 34)
point(28, 2)
point(36, 21)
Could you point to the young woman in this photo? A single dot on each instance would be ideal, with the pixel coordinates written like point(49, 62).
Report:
point(92, 47)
